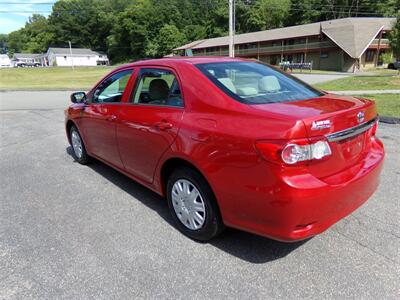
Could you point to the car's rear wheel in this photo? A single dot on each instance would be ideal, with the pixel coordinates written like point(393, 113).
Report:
point(193, 205)
point(78, 147)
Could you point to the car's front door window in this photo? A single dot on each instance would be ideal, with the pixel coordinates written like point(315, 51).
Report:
point(112, 88)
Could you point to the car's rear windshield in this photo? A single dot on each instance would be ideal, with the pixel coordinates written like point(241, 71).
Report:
point(256, 83)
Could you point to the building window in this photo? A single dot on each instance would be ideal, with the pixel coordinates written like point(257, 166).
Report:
point(289, 42)
point(369, 56)
point(299, 58)
point(324, 55)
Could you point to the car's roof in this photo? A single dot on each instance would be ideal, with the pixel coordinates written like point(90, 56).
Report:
point(177, 60)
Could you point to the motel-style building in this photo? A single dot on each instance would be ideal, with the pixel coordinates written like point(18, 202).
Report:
point(346, 45)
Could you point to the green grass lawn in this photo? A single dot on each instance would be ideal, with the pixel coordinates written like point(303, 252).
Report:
point(381, 71)
point(53, 78)
point(388, 104)
point(361, 83)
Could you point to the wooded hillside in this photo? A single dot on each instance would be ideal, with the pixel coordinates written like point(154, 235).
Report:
point(128, 30)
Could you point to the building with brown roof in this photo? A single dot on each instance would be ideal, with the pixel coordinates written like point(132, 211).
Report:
point(345, 44)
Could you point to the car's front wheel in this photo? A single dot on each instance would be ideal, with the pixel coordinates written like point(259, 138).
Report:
point(193, 205)
point(78, 147)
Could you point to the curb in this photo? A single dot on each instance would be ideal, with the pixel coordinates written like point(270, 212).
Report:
point(389, 120)
point(364, 92)
point(322, 73)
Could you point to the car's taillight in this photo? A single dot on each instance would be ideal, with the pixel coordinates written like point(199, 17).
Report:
point(295, 151)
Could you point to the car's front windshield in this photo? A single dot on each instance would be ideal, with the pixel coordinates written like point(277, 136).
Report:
point(256, 83)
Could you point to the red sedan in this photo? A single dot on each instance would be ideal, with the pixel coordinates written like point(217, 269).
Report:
point(232, 142)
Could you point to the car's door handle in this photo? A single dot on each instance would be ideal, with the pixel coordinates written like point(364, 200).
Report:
point(163, 125)
point(112, 118)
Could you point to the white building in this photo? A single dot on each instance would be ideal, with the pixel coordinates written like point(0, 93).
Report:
point(5, 61)
point(80, 57)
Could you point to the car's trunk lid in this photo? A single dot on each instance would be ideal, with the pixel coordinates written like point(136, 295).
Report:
point(345, 121)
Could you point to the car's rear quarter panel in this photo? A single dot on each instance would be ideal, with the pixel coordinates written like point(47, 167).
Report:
point(218, 135)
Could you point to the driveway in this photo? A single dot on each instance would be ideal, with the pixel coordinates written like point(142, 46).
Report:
point(317, 78)
point(366, 92)
point(69, 231)
point(17, 100)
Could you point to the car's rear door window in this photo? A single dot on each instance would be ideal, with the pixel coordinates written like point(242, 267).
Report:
point(157, 87)
point(256, 83)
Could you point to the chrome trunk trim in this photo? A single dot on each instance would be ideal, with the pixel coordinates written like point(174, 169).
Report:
point(353, 131)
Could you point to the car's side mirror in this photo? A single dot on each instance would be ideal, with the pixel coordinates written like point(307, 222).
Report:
point(78, 97)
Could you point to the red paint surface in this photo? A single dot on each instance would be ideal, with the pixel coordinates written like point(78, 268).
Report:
point(217, 135)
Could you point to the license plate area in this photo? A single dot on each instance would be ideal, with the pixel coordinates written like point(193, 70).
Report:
point(351, 147)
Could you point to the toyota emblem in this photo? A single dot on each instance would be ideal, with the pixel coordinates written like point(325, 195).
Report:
point(360, 117)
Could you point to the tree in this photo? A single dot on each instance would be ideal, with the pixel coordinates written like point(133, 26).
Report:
point(142, 29)
point(37, 32)
point(394, 38)
point(34, 37)
point(130, 34)
point(17, 40)
point(265, 14)
point(134, 29)
point(86, 23)
point(3, 43)
point(169, 38)
point(308, 11)
point(303, 12)
point(195, 32)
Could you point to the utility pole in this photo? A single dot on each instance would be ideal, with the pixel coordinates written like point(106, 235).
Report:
point(231, 28)
point(70, 52)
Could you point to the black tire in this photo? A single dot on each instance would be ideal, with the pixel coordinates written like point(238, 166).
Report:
point(213, 224)
point(391, 66)
point(82, 158)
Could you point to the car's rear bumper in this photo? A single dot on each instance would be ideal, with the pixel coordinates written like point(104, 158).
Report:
point(300, 206)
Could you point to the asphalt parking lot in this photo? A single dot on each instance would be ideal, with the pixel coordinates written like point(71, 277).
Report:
point(87, 232)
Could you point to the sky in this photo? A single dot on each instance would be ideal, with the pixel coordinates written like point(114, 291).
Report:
point(14, 13)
